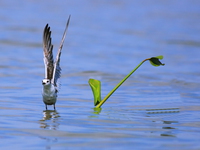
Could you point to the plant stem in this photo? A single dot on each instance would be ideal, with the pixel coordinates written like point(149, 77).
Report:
point(117, 86)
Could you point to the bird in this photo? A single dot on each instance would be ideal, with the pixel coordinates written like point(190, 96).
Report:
point(52, 68)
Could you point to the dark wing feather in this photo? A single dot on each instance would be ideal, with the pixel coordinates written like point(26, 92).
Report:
point(48, 54)
point(57, 69)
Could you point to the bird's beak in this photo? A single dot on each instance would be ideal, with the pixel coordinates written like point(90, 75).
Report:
point(43, 83)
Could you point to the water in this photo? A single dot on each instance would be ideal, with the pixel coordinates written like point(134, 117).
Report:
point(156, 108)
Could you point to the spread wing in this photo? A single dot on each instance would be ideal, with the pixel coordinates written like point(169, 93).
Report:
point(57, 69)
point(48, 54)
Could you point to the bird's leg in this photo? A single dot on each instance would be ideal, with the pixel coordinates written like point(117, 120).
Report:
point(54, 106)
point(46, 107)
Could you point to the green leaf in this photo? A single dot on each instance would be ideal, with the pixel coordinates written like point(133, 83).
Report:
point(155, 61)
point(96, 89)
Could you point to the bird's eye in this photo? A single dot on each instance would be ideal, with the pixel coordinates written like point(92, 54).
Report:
point(47, 81)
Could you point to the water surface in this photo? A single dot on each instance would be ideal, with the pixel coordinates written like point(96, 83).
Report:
point(156, 108)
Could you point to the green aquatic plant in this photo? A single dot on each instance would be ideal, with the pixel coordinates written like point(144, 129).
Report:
point(96, 84)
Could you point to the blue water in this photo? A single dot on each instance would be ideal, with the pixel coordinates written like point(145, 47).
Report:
point(156, 108)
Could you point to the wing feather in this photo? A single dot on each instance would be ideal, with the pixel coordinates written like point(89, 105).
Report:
point(57, 69)
point(48, 54)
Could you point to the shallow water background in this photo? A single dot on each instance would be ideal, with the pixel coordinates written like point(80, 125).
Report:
point(156, 108)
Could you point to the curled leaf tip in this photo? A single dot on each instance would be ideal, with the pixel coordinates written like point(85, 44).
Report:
point(155, 61)
point(159, 57)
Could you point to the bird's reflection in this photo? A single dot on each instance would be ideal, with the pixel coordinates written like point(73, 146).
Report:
point(50, 119)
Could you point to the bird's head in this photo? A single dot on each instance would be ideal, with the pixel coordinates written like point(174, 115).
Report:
point(46, 82)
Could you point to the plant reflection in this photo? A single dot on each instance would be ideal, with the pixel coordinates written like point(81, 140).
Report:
point(50, 120)
point(169, 129)
point(95, 112)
